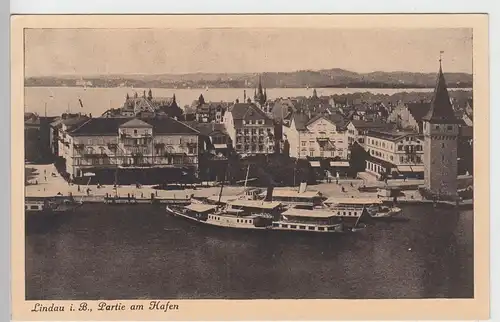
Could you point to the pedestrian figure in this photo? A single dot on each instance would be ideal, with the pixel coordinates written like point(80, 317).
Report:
point(78, 188)
point(36, 181)
point(337, 181)
point(142, 195)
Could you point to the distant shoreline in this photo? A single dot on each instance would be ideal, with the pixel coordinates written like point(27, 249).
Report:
point(467, 87)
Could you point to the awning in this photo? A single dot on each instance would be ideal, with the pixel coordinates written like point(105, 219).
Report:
point(315, 164)
point(339, 163)
point(200, 207)
point(413, 168)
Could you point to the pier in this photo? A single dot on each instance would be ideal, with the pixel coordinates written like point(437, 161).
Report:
point(45, 182)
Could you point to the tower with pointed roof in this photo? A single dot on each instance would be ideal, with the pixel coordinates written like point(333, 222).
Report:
point(440, 127)
point(260, 97)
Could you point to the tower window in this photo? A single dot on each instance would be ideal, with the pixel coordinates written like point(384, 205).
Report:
point(442, 145)
point(442, 158)
point(450, 127)
point(437, 127)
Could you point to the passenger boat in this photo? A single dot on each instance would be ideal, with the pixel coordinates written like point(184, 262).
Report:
point(318, 221)
point(221, 216)
point(356, 207)
point(296, 199)
point(50, 206)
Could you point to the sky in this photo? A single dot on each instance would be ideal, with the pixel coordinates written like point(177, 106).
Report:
point(52, 52)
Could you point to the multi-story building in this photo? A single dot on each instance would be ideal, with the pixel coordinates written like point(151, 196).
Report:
point(409, 116)
point(322, 136)
point(395, 152)
point(60, 126)
point(250, 129)
point(37, 137)
point(148, 150)
point(357, 130)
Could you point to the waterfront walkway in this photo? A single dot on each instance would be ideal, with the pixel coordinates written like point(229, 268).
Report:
point(45, 181)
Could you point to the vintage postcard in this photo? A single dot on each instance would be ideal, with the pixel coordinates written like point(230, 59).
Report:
point(250, 167)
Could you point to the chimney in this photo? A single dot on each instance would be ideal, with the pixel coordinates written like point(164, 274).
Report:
point(269, 194)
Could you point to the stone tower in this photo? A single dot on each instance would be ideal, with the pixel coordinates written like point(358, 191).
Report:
point(440, 127)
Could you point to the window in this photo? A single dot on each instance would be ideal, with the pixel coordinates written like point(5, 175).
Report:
point(302, 227)
point(442, 145)
point(293, 226)
point(284, 226)
point(311, 227)
point(34, 207)
point(321, 228)
point(442, 158)
point(303, 143)
point(450, 127)
point(135, 132)
point(311, 154)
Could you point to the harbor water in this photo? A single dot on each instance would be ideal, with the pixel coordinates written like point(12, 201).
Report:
point(140, 252)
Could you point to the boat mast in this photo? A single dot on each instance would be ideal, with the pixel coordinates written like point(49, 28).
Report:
point(223, 180)
point(246, 178)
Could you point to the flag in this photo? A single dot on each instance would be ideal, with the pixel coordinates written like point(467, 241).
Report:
point(81, 103)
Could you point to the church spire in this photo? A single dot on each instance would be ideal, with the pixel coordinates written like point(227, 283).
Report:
point(441, 110)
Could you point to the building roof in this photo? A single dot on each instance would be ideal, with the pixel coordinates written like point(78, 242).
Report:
point(110, 126)
point(207, 129)
point(391, 135)
point(441, 110)
point(418, 110)
point(248, 112)
point(467, 131)
point(136, 123)
point(361, 124)
point(300, 121)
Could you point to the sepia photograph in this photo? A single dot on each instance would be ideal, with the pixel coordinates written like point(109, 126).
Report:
point(248, 163)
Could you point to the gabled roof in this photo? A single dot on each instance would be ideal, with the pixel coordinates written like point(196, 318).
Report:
point(441, 110)
point(207, 129)
point(300, 121)
point(361, 124)
point(248, 112)
point(334, 118)
point(418, 110)
point(135, 123)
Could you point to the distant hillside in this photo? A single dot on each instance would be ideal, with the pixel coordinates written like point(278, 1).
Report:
point(304, 78)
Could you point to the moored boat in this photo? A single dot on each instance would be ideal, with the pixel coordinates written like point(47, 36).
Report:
point(305, 220)
point(50, 206)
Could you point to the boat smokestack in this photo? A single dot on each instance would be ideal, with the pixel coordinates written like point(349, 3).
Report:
point(269, 195)
point(302, 187)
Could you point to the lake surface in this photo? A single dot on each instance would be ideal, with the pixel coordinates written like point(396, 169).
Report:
point(97, 100)
point(129, 252)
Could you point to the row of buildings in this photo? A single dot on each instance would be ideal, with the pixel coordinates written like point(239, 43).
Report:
point(152, 136)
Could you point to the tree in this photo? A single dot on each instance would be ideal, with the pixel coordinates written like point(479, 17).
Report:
point(357, 160)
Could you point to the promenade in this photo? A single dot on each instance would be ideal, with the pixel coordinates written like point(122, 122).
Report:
point(45, 181)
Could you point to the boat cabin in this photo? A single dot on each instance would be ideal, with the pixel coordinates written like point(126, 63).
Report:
point(297, 199)
point(199, 211)
point(308, 220)
point(255, 207)
point(351, 207)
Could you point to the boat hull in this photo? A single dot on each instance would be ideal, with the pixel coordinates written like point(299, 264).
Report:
point(203, 222)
